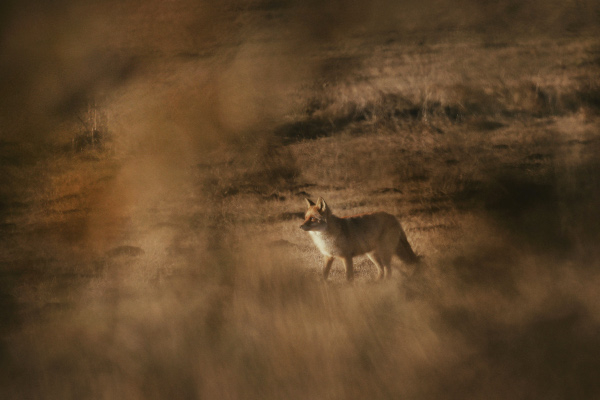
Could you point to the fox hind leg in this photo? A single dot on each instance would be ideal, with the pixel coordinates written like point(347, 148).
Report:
point(386, 259)
point(388, 268)
point(378, 263)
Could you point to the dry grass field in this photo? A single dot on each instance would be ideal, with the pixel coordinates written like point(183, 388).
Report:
point(155, 156)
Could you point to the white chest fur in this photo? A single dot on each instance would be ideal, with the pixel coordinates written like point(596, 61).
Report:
point(324, 242)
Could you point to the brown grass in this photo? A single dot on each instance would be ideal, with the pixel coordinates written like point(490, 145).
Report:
point(173, 265)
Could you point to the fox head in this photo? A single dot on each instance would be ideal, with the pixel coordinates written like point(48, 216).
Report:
point(316, 216)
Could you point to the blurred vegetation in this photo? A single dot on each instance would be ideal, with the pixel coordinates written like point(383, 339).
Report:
point(169, 263)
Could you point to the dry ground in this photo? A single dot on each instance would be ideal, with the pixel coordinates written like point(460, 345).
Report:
point(170, 264)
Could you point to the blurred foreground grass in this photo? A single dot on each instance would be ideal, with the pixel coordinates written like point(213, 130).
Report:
point(172, 266)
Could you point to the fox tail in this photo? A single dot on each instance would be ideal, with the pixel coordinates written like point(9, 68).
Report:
point(405, 252)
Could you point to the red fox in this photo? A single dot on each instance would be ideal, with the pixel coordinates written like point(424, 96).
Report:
point(378, 234)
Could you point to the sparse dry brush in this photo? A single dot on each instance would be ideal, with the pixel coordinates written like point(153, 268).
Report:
point(173, 265)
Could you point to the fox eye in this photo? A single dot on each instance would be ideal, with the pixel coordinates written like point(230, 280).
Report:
point(313, 219)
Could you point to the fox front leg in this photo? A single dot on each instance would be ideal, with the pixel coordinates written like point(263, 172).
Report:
point(327, 267)
point(349, 268)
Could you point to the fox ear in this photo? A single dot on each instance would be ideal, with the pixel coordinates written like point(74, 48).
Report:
point(309, 202)
point(321, 204)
